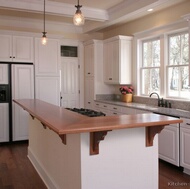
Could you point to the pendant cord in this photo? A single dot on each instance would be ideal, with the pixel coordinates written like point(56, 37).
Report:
point(44, 16)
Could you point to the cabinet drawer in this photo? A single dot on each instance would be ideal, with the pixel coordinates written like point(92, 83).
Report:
point(186, 123)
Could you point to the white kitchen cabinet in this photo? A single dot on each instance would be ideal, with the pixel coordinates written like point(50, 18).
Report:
point(169, 144)
point(3, 74)
point(22, 88)
point(89, 93)
point(4, 126)
point(47, 58)
point(48, 89)
point(16, 48)
point(184, 145)
point(117, 60)
point(89, 59)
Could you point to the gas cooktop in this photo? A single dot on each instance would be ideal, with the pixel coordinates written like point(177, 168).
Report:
point(87, 112)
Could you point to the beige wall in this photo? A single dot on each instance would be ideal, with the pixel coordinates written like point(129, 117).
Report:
point(153, 20)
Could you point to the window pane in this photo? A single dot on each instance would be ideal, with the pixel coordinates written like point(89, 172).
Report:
point(150, 80)
point(151, 53)
point(178, 81)
point(178, 49)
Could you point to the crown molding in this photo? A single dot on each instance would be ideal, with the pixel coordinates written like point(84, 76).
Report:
point(53, 8)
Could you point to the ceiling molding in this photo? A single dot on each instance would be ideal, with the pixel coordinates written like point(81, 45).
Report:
point(53, 8)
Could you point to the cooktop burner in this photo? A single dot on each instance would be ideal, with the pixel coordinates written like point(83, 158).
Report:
point(87, 112)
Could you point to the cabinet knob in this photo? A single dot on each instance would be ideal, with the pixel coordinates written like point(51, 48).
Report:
point(88, 102)
point(187, 123)
point(110, 78)
point(105, 106)
point(10, 57)
point(13, 56)
point(88, 72)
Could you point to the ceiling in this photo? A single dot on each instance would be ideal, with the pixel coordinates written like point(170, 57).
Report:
point(99, 14)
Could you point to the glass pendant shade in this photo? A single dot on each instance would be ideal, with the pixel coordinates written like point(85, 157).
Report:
point(44, 38)
point(78, 18)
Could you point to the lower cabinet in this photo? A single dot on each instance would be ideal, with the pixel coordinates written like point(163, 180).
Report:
point(169, 144)
point(184, 144)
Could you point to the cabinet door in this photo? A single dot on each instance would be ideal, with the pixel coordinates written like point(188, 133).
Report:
point(22, 88)
point(47, 58)
point(4, 126)
point(169, 144)
point(89, 60)
point(89, 93)
point(111, 62)
point(23, 49)
point(184, 144)
point(5, 48)
point(48, 89)
point(3, 74)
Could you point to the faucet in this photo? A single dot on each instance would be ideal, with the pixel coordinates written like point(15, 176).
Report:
point(157, 96)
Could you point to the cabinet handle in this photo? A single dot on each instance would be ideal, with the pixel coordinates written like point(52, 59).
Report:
point(13, 56)
point(88, 102)
point(115, 113)
point(97, 104)
point(110, 78)
point(187, 123)
point(105, 106)
point(88, 72)
point(115, 108)
point(10, 57)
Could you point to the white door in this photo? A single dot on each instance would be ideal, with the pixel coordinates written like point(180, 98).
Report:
point(3, 73)
point(22, 88)
point(69, 82)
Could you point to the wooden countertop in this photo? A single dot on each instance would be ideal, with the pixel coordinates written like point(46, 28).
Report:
point(64, 121)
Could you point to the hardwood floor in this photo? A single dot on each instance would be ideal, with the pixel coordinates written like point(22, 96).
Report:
point(16, 171)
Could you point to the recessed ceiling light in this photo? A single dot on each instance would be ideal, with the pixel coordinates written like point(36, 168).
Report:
point(149, 10)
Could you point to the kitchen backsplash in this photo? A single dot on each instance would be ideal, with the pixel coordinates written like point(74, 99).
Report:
point(177, 104)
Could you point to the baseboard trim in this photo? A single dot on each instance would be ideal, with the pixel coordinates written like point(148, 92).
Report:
point(187, 171)
point(49, 182)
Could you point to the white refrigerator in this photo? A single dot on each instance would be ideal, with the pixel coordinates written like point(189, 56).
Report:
point(16, 82)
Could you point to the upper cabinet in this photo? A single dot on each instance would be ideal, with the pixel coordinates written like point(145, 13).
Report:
point(16, 48)
point(89, 53)
point(117, 60)
point(47, 58)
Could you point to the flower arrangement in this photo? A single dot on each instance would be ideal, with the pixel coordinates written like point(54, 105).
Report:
point(126, 90)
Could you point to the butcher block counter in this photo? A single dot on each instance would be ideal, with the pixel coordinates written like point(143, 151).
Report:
point(127, 157)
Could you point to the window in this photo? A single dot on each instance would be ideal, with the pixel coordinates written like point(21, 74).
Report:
point(150, 70)
point(178, 65)
point(165, 66)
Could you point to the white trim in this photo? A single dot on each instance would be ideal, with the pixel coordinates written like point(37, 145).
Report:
point(48, 181)
point(157, 31)
point(187, 171)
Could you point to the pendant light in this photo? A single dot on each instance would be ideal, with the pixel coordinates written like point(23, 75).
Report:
point(44, 38)
point(78, 18)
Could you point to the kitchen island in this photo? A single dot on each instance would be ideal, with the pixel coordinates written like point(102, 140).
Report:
point(72, 151)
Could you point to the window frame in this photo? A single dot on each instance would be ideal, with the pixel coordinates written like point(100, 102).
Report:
point(163, 35)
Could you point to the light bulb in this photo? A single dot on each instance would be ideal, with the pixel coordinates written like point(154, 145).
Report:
point(78, 18)
point(44, 38)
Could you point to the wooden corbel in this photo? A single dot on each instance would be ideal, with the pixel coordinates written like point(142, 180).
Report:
point(44, 125)
point(150, 134)
point(95, 138)
point(63, 138)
